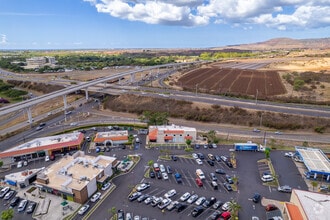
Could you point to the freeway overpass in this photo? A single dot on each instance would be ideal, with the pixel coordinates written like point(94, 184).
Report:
point(82, 86)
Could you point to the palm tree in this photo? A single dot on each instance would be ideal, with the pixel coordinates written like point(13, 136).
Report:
point(113, 211)
point(314, 184)
point(150, 163)
point(7, 214)
point(234, 207)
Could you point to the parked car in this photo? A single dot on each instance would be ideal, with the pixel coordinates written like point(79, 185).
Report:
point(120, 214)
point(192, 198)
point(209, 202)
point(229, 164)
point(134, 196)
point(165, 176)
point(288, 154)
point(267, 178)
point(14, 201)
point(172, 205)
point(225, 206)
point(83, 209)
point(148, 200)
point(217, 204)
point(162, 168)
point(256, 198)
point(143, 197)
point(158, 175)
point(165, 202)
point(4, 191)
point(106, 186)
point(227, 186)
point(199, 161)
point(22, 205)
point(152, 174)
point(200, 200)
point(143, 186)
point(229, 179)
point(197, 211)
point(217, 158)
point(215, 215)
point(156, 201)
point(271, 207)
point(194, 155)
point(32, 205)
point(9, 195)
point(220, 171)
point(201, 156)
point(211, 157)
point(213, 177)
point(96, 197)
point(170, 193)
point(210, 162)
point(185, 196)
point(199, 182)
point(180, 207)
point(169, 170)
point(156, 167)
point(285, 188)
point(128, 216)
point(174, 157)
point(214, 145)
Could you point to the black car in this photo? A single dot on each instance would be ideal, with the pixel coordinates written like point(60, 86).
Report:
point(174, 158)
point(31, 207)
point(256, 198)
point(197, 146)
point(180, 207)
point(210, 162)
point(229, 164)
point(215, 215)
point(209, 202)
point(200, 156)
point(220, 171)
point(14, 201)
point(120, 215)
point(134, 196)
point(197, 211)
point(159, 175)
point(152, 174)
point(169, 169)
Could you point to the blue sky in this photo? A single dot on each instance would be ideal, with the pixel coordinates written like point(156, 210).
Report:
point(88, 24)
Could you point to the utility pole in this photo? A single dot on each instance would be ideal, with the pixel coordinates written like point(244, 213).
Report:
point(257, 96)
point(196, 88)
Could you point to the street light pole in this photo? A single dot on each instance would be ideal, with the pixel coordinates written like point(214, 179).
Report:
point(257, 96)
point(196, 88)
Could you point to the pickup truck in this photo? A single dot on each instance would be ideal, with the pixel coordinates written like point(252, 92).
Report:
point(178, 177)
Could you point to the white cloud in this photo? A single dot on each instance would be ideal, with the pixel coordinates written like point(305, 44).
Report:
point(280, 14)
point(3, 39)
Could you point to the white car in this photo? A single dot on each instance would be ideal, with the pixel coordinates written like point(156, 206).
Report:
point(106, 186)
point(185, 196)
point(199, 161)
point(96, 197)
point(289, 154)
point(170, 193)
point(162, 168)
point(47, 158)
point(200, 200)
point(225, 206)
point(142, 187)
point(278, 132)
point(83, 209)
point(165, 176)
point(192, 199)
point(195, 156)
point(164, 203)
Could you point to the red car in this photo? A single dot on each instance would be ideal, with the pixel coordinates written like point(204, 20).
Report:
point(271, 207)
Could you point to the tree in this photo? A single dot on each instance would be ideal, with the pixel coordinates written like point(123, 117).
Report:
point(314, 184)
point(188, 142)
point(267, 153)
point(113, 211)
point(154, 118)
point(150, 163)
point(1, 163)
point(234, 207)
point(7, 214)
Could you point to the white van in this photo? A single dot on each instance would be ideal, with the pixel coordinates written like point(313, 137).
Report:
point(267, 178)
point(200, 174)
point(22, 205)
point(19, 164)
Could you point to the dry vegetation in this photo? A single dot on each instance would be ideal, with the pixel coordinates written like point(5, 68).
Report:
point(213, 113)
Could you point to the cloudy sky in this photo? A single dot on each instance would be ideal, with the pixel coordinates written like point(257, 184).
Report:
point(79, 24)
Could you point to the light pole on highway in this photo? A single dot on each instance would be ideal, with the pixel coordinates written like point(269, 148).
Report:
point(196, 88)
point(257, 96)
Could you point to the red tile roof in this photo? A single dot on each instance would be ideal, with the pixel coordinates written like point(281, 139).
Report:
point(153, 134)
point(293, 211)
point(173, 132)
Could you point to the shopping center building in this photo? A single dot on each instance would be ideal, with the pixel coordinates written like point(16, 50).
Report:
point(171, 134)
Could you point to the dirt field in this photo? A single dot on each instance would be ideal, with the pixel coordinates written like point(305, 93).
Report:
point(233, 81)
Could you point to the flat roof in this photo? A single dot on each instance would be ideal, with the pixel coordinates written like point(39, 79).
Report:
point(74, 172)
point(45, 143)
point(314, 159)
point(22, 175)
point(315, 205)
point(111, 135)
point(172, 128)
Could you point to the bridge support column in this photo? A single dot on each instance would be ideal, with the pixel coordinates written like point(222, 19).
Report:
point(29, 114)
point(86, 93)
point(132, 77)
point(65, 103)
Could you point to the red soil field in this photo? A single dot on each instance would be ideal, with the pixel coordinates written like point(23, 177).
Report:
point(233, 81)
